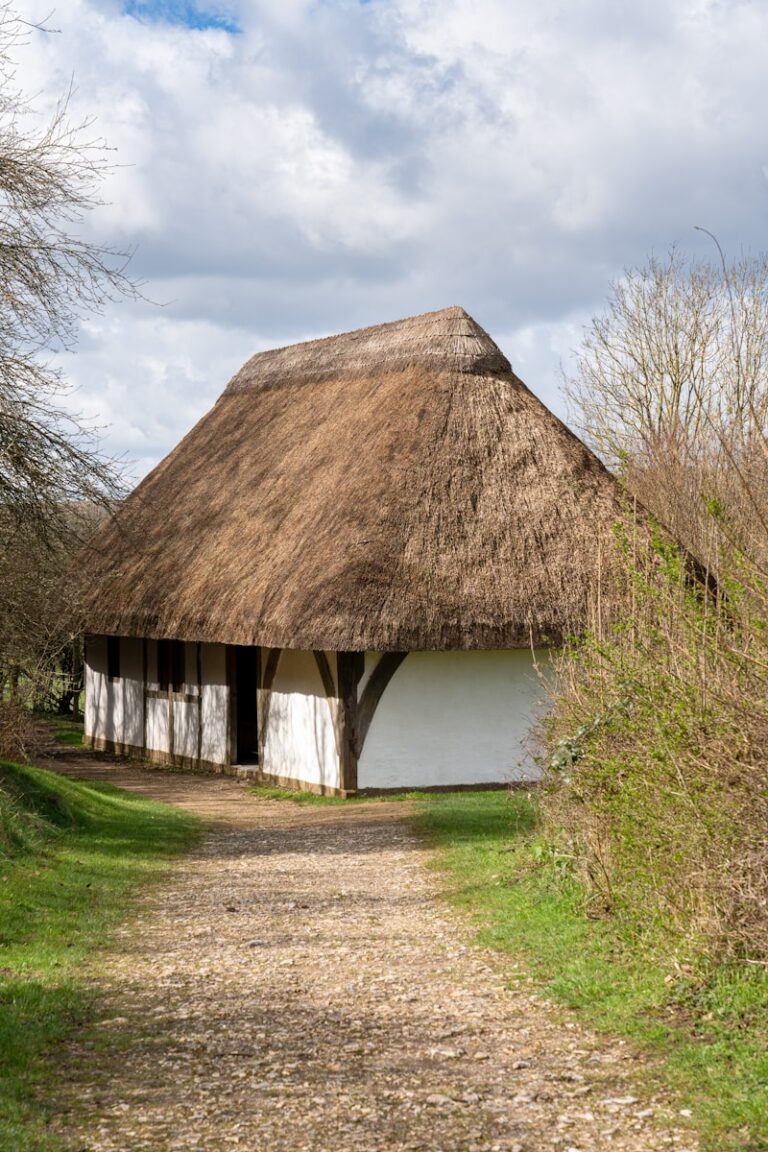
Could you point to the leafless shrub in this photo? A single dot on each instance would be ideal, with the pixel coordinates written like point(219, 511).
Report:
point(660, 765)
point(40, 611)
point(22, 735)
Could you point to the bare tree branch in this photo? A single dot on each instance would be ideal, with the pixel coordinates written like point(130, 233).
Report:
point(54, 481)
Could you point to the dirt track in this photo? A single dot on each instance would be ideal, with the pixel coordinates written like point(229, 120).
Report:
point(297, 984)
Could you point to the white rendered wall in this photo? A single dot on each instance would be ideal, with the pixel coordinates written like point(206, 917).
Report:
point(299, 740)
point(158, 729)
point(454, 718)
point(114, 708)
point(97, 710)
point(186, 712)
point(214, 745)
point(132, 685)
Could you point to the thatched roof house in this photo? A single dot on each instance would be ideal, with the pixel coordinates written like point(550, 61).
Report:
point(388, 491)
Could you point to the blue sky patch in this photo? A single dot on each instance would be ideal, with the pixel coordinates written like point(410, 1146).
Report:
point(184, 12)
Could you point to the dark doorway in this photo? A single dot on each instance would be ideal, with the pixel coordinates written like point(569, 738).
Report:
point(245, 698)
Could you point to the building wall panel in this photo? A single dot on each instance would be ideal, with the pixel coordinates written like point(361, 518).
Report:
point(298, 741)
point(96, 700)
point(114, 709)
point(450, 718)
point(186, 715)
point(445, 718)
point(158, 727)
point(132, 689)
point(214, 704)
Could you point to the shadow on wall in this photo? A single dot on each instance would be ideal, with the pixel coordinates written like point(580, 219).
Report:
point(300, 741)
point(114, 706)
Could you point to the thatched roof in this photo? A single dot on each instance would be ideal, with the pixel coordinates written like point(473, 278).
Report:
point(392, 488)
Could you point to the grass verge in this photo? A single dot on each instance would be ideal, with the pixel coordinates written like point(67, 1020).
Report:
point(66, 730)
point(73, 857)
point(275, 792)
point(708, 1025)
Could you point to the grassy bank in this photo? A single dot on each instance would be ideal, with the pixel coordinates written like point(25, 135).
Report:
point(710, 1026)
point(73, 857)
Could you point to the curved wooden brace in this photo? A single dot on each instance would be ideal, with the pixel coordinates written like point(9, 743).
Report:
point(326, 676)
point(267, 680)
point(373, 692)
point(270, 668)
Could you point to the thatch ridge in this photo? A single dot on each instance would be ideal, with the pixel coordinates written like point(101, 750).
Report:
point(449, 339)
point(416, 502)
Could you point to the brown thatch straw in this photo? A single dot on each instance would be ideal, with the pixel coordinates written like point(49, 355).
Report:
point(392, 488)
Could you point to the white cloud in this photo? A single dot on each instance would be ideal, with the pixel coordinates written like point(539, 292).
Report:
point(340, 163)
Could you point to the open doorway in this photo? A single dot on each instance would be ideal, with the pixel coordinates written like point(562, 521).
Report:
point(245, 727)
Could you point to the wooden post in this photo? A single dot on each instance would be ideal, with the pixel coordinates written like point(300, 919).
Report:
point(78, 677)
point(171, 733)
point(232, 749)
point(349, 666)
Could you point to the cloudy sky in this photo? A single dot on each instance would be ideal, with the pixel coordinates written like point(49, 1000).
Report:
point(294, 168)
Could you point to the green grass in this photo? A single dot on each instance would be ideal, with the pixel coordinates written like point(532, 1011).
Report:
point(73, 858)
point(708, 1025)
point(274, 792)
point(66, 730)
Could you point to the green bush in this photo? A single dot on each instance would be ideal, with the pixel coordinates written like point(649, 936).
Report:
point(658, 775)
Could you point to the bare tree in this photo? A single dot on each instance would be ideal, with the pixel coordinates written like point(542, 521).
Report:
point(681, 347)
point(670, 387)
point(40, 618)
point(50, 277)
point(52, 474)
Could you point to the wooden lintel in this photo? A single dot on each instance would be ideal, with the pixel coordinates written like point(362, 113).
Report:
point(180, 697)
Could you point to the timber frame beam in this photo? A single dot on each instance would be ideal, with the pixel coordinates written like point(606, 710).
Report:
point(350, 667)
point(352, 712)
point(355, 715)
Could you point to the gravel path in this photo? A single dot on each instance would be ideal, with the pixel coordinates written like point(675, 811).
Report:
point(297, 984)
